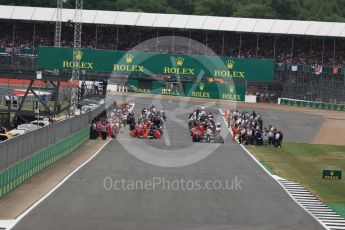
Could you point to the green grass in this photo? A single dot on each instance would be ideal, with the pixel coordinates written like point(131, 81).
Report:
point(303, 163)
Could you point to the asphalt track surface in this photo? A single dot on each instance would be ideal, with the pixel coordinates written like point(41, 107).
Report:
point(82, 202)
point(296, 126)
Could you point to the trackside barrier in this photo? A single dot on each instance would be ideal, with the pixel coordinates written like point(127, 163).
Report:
point(18, 148)
point(11, 178)
point(311, 104)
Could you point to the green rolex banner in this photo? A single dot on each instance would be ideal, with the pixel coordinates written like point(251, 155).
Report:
point(157, 63)
point(331, 174)
point(215, 91)
point(198, 89)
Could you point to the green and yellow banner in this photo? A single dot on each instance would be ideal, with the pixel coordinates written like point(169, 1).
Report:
point(233, 92)
point(157, 63)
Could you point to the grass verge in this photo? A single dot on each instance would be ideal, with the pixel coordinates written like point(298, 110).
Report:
point(303, 163)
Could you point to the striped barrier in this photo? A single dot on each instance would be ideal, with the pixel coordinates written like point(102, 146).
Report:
point(11, 178)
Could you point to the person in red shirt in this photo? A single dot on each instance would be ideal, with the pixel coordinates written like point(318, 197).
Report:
point(196, 135)
point(201, 131)
point(110, 133)
point(145, 131)
point(192, 131)
point(139, 130)
point(132, 133)
point(226, 114)
point(234, 130)
point(99, 126)
point(157, 134)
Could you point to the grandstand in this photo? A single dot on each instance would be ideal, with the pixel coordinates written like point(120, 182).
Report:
point(309, 55)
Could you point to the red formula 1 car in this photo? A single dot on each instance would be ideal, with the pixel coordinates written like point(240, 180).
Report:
point(146, 131)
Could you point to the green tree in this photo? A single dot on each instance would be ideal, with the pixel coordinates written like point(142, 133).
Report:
point(255, 10)
point(182, 6)
point(330, 10)
point(212, 7)
point(286, 9)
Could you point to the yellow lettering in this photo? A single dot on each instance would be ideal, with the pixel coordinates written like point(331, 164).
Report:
point(140, 68)
point(223, 73)
point(201, 94)
point(82, 65)
point(235, 74)
point(182, 71)
point(235, 97)
point(65, 64)
point(166, 70)
point(127, 68)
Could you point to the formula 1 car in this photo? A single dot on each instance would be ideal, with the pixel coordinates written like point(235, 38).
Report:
point(203, 128)
point(146, 131)
point(149, 125)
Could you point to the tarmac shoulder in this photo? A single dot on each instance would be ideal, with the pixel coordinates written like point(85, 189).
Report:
point(36, 187)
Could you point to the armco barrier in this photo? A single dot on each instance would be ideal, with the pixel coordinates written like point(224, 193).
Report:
point(22, 171)
point(23, 146)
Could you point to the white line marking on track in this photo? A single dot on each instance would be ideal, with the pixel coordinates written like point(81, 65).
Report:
point(301, 199)
point(335, 221)
point(20, 217)
point(166, 135)
point(5, 224)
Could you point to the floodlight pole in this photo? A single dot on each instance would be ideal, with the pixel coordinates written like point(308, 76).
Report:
point(57, 36)
point(76, 54)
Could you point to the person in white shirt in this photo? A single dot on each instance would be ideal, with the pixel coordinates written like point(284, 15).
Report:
point(95, 87)
point(15, 100)
point(8, 100)
point(270, 137)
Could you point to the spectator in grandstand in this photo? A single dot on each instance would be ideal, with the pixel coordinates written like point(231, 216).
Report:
point(306, 50)
point(286, 50)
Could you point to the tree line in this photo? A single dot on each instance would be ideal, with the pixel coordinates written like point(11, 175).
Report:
point(317, 10)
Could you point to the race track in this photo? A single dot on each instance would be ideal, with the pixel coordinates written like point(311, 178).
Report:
point(83, 202)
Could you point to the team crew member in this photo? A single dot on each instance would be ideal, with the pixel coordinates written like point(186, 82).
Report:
point(104, 131)
point(96, 87)
point(110, 125)
point(201, 123)
point(93, 130)
point(247, 128)
point(149, 124)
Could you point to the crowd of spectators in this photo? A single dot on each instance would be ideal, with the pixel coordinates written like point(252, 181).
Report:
point(247, 128)
point(283, 48)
